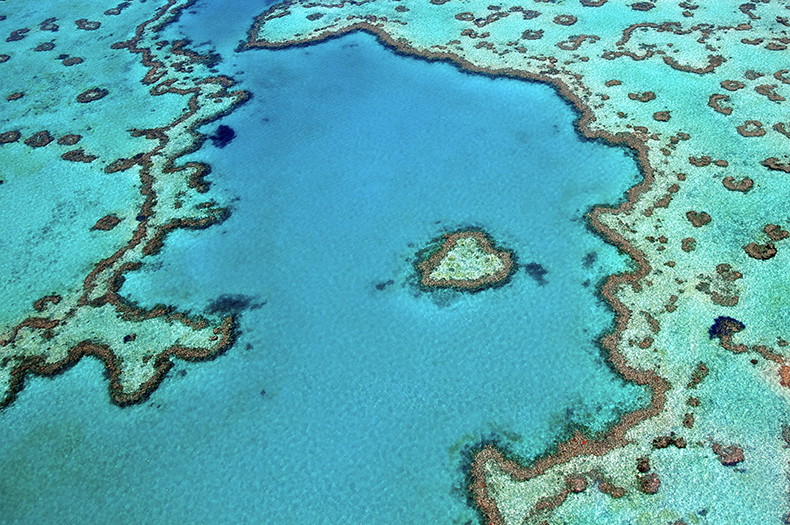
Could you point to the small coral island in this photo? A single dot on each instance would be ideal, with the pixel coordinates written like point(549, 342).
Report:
point(466, 260)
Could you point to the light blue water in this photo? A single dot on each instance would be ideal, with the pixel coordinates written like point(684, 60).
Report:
point(348, 159)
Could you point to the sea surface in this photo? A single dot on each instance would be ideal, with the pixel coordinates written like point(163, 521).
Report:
point(351, 396)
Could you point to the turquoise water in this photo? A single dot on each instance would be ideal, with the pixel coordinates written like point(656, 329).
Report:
point(341, 402)
point(34, 231)
point(37, 231)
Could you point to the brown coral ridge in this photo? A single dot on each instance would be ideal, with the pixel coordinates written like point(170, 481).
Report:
point(661, 116)
point(698, 375)
point(732, 85)
point(672, 440)
point(578, 445)
point(87, 25)
point(714, 100)
point(224, 333)
point(92, 95)
point(49, 25)
point(725, 327)
point(781, 128)
point(647, 96)
point(769, 90)
point(72, 61)
point(743, 185)
point(642, 6)
point(78, 155)
point(39, 139)
point(42, 303)
point(714, 61)
point(124, 164)
point(450, 240)
point(162, 365)
point(728, 456)
point(775, 232)
point(728, 295)
point(700, 162)
point(7, 137)
point(69, 140)
point(698, 219)
point(106, 223)
point(45, 46)
point(727, 273)
point(573, 43)
point(649, 483)
point(17, 35)
point(565, 20)
point(751, 128)
point(761, 252)
point(772, 163)
point(766, 251)
point(117, 9)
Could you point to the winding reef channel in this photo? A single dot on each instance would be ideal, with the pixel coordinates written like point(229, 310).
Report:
point(697, 92)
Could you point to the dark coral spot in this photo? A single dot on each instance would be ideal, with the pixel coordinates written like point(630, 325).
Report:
point(381, 286)
point(227, 304)
point(537, 272)
point(223, 136)
point(724, 327)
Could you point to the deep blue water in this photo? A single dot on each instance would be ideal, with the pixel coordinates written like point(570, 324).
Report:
point(343, 403)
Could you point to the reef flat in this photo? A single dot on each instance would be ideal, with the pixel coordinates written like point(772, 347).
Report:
point(696, 92)
point(466, 261)
point(98, 126)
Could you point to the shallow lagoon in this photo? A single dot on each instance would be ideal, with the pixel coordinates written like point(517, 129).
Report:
point(342, 402)
point(347, 161)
